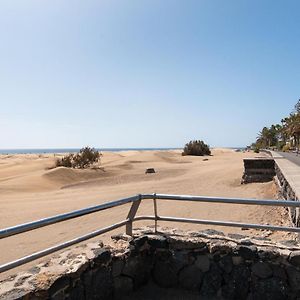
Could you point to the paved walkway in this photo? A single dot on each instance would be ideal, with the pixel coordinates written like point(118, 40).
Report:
point(289, 169)
point(293, 157)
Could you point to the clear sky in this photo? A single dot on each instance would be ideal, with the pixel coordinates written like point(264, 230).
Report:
point(145, 73)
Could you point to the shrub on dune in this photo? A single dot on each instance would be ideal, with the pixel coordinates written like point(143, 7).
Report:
point(197, 147)
point(85, 158)
point(66, 161)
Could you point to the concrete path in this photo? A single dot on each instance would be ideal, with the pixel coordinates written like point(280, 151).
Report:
point(290, 168)
point(293, 157)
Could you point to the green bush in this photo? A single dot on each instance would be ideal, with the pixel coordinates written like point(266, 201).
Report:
point(196, 147)
point(256, 150)
point(83, 159)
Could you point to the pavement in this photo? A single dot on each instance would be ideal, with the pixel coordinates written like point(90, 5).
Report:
point(293, 157)
point(289, 164)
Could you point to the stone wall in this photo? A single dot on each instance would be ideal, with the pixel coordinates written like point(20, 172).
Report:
point(288, 193)
point(207, 264)
point(258, 169)
point(285, 189)
point(267, 169)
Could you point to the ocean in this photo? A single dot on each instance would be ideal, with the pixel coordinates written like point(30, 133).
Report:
point(73, 150)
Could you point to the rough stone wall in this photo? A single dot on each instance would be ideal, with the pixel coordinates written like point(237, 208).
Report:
point(207, 263)
point(258, 170)
point(287, 192)
point(265, 169)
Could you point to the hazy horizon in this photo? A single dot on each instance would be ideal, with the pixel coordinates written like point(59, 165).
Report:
point(145, 74)
point(75, 149)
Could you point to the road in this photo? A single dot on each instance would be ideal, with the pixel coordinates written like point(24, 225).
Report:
point(293, 157)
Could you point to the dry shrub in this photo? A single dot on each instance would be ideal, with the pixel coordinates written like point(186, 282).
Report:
point(83, 159)
point(196, 147)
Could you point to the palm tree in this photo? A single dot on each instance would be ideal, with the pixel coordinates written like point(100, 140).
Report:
point(269, 137)
point(292, 127)
point(263, 138)
point(297, 107)
point(278, 135)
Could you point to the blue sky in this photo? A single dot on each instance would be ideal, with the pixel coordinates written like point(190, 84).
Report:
point(145, 73)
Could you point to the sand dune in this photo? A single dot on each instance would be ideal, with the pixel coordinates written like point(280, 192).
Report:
point(27, 173)
point(29, 190)
point(63, 176)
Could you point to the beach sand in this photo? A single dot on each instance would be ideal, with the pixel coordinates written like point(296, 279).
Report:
point(30, 190)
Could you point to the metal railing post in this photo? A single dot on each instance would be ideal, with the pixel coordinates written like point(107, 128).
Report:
point(155, 212)
point(132, 212)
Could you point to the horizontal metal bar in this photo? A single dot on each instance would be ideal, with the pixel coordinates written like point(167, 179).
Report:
point(36, 255)
point(78, 213)
point(284, 203)
point(220, 223)
point(6, 232)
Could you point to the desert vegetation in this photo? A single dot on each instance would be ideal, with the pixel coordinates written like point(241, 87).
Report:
point(85, 158)
point(197, 147)
point(284, 136)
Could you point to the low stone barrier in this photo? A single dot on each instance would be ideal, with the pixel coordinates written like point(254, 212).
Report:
point(207, 264)
point(260, 169)
point(287, 192)
point(286, 180)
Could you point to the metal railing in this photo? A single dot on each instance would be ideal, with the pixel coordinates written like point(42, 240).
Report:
point(131, 217)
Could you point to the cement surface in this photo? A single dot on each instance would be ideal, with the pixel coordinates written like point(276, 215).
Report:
point(290, 168)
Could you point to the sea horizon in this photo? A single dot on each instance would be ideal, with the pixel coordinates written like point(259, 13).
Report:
point(73, 150)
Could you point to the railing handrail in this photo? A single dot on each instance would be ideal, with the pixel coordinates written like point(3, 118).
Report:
point(6, 232)
point(136, 200)
point(284, 203)
point(21, 228)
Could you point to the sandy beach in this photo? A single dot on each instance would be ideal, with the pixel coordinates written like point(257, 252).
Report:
point(30, 189)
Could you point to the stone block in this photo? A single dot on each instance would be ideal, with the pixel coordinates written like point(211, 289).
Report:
point(295, 258)
point(212, 282)
point(190, 277)
point(293, 278)
point(165, 273)
point(262, 270)
point(202, 263)
point(247, 252)
point(123, 285)
point(226, 264)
